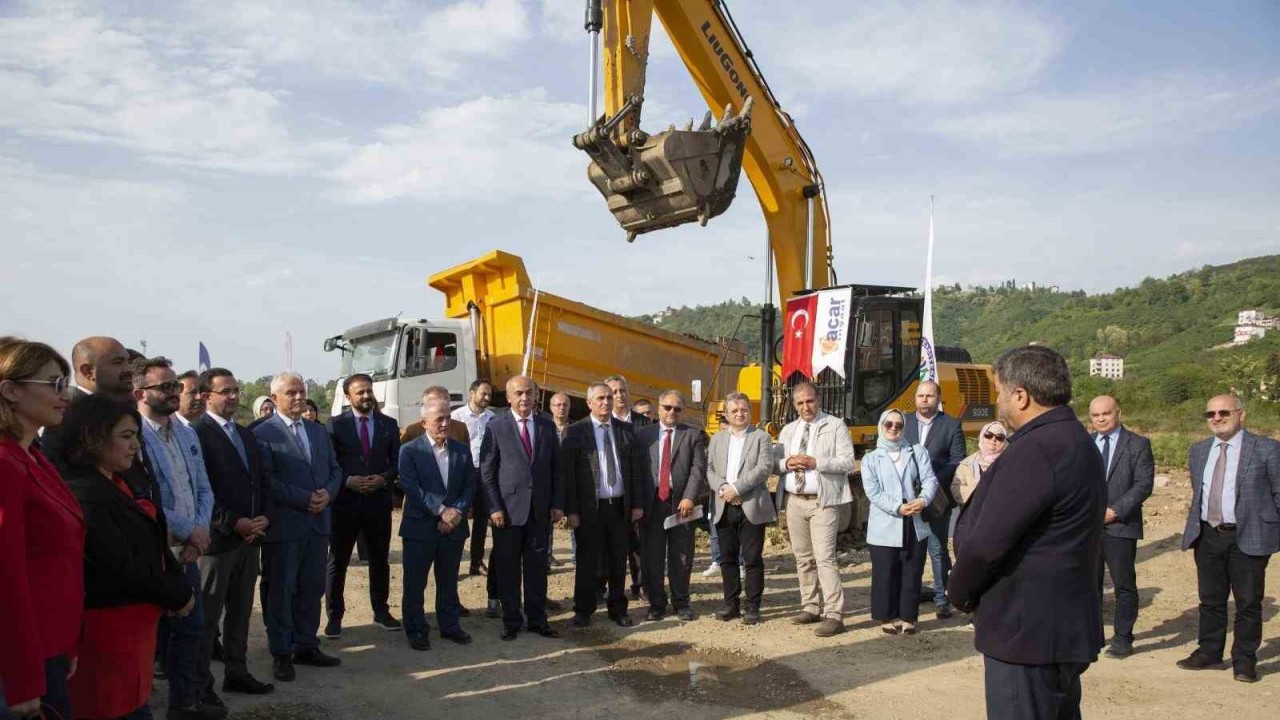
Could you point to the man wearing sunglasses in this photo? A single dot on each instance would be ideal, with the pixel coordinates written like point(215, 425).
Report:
point(1131, 473)
point(1234, 526)
point(1029, 543)
point(178, 463)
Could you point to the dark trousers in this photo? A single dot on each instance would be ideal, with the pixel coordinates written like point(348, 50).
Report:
point(1222, 570)
point(348, 523)
point(896, 577)
point(674, 548)
point(479, 527)
point(741, 543)
point(228, 580)
point(521, 553)
point(443, 553)
point(1032, 692)
point(1119, 557)
point(491, 580)
point(56, 701)
point(633, 559)
point(296, 572)
point(186, 643)
point(605, 543)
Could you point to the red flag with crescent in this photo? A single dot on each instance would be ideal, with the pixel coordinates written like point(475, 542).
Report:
point(797, 346)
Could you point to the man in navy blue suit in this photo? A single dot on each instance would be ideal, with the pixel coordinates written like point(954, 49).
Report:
point(521, 473)
point(439, 481)
point(367, 444)
point(303, 476)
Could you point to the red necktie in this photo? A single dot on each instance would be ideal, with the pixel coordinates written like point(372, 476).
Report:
point(524, 437)
point(364, 437)
point(664, 471)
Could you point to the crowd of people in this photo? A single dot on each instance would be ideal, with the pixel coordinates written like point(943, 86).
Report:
point(139, 522)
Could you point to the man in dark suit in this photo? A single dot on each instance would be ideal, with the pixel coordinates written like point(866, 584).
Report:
point(303, 475)
point(524, 485)
point(1234, 526)
point(1029, 544)
point(621, 390)
point(439, 482)
point(1131, 472)
point(604, 471)
point(229, 569)
point(675, 483)
point(367, 444)
point(943, 437)
point(101, 366)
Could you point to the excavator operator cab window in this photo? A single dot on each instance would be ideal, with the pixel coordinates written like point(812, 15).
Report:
point(888, 355)
point(429, 352)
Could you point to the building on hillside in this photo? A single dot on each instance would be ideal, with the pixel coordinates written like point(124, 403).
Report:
point(1107, 366)
point(661, 315)
point(1253, 323)
point(1055, 289)
point(1029, 286)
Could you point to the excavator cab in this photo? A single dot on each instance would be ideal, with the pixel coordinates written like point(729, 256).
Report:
point(671, 178)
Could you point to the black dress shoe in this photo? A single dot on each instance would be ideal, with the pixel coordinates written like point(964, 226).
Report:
point(623, 621)
point(685, 614)
point(1198, 661)
point(316, 658)
point(1120, 648)
point(654, 614)
point(580, 621)
point(545, 631)
point(419, 642)
point(332, 630)
point(1246, 673)
point(211, 699)
point(727, 614)
point(751, 616)
point(510, 633)
point(247, 684)
point(944, 613)
point(459, 636)
point(388, 622)
point(282, 668)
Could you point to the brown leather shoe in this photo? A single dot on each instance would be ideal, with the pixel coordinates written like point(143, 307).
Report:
point(804, 617)
point(829, 628)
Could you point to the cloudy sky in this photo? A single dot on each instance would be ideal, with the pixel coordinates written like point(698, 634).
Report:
point(183, 171)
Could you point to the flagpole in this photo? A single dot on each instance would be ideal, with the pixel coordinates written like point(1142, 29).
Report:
point(528, 343)
point(928, 356)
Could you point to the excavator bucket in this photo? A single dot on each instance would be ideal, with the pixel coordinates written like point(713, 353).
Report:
point(667, 179)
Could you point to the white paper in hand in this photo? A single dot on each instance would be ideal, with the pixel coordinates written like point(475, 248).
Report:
point(674, 520)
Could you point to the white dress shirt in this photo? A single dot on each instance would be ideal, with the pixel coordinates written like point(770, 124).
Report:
point(603, 491)
point(810, 486)
point(737, 443)
point(924, 427)
point(1234, 446)
point(441, 452)
point(533, 433)
point(476, 423)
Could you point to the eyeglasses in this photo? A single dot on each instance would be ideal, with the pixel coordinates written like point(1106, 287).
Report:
point(59, 384)
point(173, 387)
point(1211, 414)
point(891, 425)
point(673, 408)
point(993, 436)
point(226, 391)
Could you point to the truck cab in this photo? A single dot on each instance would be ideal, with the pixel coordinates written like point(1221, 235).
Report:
point(405, 357)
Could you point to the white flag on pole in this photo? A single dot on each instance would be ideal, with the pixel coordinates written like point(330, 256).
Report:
point(928, 358)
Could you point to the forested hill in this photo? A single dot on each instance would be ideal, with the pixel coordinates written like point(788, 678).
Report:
point(1166, 329)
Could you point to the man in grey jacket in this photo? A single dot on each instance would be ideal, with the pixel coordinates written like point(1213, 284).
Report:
point(739, 461)
point(817, 457)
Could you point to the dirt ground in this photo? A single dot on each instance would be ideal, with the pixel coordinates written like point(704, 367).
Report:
point(713, 670)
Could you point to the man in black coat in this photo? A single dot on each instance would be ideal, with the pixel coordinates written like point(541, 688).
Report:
point(523, 481)
point(1029, 543)
point(604, 471)
point(229, 570)
point(367, 444)
point(943, 437)
point(1131, 472)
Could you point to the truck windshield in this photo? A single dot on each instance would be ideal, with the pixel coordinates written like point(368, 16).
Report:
point(373, 355)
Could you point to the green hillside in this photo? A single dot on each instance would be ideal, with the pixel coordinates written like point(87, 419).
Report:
point(1167, 331)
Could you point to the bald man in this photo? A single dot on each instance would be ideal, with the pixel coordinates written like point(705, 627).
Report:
point(101, 366)
point(1131, 473)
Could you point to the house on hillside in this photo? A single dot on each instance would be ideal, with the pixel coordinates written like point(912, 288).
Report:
point(1253, 323)
point(661, 315)
point(1108, 366)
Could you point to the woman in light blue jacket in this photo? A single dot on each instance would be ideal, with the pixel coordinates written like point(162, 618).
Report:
point(899, 481)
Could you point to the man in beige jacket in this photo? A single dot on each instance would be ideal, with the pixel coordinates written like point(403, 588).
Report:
point(813, 489)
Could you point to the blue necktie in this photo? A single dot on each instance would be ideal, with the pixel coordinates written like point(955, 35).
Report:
point(1106, 455)
point(235, 440)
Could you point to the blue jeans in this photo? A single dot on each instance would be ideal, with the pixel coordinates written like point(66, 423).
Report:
point(940, 557)
point(186, 640)
point(715, 544)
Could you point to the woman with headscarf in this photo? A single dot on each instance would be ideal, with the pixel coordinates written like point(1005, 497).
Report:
point(991, 442)
point(263, 409)
point(899, 481)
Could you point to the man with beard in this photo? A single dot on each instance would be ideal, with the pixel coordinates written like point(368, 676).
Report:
point(191, 406)
point(101, 366)
point(178, 464)
point(476, 415)
point(367, 444)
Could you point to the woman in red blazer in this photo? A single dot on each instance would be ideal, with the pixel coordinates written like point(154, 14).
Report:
point(41, 538)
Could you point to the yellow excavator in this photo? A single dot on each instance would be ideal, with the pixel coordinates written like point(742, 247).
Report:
point(682, 175)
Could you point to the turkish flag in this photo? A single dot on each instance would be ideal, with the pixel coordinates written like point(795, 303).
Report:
point(797, 345)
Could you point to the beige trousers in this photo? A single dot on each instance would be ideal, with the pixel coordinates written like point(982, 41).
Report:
point(813, 540)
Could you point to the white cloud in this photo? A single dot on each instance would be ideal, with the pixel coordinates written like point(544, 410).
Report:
point(1152, 112)
point(921, 53)
point(490, 149)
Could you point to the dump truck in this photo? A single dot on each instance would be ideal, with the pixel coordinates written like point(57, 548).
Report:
point(490, 305)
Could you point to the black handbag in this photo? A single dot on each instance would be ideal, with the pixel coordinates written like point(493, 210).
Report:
point(940, 505)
